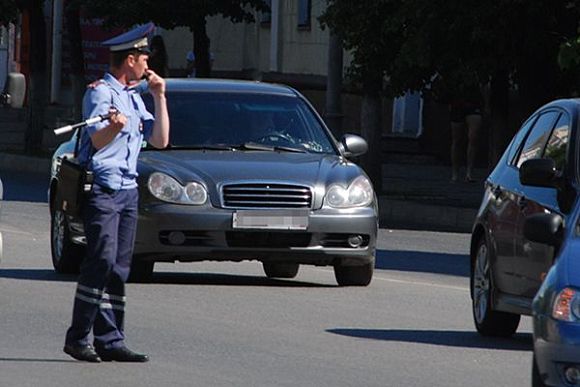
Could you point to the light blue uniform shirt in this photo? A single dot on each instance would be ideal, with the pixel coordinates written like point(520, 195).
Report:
point(115, 165)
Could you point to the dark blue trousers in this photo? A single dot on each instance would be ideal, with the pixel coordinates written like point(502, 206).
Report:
point(110, 220)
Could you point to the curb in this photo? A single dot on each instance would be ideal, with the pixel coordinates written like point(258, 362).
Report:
point(412, 215)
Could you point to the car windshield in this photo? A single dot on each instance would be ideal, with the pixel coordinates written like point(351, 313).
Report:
point(243, 121)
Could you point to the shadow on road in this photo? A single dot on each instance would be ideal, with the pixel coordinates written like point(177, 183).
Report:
point(229, 280)
point(37, 275)
point(519, 342)
point(30, 360)
point(427, 262)
point(169, 278)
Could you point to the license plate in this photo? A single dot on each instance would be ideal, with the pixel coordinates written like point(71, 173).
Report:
point(271, 220)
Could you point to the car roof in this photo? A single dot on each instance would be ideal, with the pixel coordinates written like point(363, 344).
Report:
point(228, 86)
point(569, 103)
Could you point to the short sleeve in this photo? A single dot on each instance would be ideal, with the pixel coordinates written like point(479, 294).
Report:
point(97, 101)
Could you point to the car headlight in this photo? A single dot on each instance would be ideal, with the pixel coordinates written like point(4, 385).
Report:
point(566, 305)
point(166, 188)
point(358, 194)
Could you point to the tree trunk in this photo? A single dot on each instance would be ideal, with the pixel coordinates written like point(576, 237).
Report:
point(38, 90)
point(201, 49)
point(77, 63)
point(499, 105)
point(371, 125)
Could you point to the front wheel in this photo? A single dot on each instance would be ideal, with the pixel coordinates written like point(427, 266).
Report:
point(66, 255)
point(354, 275)
point(280, 270)
point(488, 322)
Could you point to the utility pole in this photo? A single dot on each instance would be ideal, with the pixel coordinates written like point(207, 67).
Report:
point(333, 114)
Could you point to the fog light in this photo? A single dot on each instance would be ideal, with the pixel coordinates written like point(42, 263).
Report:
point(355, 241)
point(572, 375)
point(176, 237)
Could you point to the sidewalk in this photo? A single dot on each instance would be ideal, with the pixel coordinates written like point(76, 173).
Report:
point(422, 196)
point(417, 192)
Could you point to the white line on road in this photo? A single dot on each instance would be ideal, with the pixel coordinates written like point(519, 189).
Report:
point(421, 283)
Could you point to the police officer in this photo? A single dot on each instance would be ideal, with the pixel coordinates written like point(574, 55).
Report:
point(110, 149)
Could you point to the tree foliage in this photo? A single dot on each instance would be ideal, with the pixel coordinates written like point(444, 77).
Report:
point(414, 44)
point(8, 11)
point(411, 40)
point(178, 13)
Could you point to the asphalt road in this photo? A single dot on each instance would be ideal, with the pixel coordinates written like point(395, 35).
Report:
point(226, 324)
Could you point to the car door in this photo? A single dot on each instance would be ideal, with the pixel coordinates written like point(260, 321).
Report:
point(503, 213)
point(533, 260)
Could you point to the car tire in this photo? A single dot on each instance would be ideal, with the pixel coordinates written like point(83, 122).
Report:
point(354, 275)
point(280, 270)
point(536, 377)
point(488, 322)
point(141, 271)
point(66, 255)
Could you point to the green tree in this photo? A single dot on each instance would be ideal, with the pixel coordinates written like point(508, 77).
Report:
point(178, 13)
point(502, 44)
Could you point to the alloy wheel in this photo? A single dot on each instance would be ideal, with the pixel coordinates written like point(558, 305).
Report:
point(481, 284)
point(58, 230)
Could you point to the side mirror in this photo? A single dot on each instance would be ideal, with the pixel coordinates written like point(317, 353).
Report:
point(14, 91)
point(353, 145)
point(544, 228)
point(539, 173)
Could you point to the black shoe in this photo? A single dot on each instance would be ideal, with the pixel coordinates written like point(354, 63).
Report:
point(82, 352)
point(122, 354)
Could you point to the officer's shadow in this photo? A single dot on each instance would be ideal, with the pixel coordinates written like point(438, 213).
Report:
point(37, 275)
point(34, 360)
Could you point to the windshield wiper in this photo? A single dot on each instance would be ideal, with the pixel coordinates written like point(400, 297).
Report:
point(216, 147)
point(268, 148)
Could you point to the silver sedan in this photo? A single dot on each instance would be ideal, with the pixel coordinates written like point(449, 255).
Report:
point(251, 173)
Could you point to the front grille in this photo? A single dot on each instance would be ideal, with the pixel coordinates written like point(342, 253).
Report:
point(266, 196)
point(275, 240)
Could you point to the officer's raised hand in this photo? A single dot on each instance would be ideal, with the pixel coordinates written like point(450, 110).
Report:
point(156, 83)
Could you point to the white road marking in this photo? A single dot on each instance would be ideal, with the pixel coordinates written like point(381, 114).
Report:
point(406, 282)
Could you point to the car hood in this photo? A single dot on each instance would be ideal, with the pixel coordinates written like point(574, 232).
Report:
point(215, 168)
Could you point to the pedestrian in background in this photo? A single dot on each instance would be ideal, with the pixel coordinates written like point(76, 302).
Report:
point(110, 149)
point(465, 112)
point(190, 63)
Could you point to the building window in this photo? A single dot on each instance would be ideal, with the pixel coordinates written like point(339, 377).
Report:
point(266, 17)
point(304, 10)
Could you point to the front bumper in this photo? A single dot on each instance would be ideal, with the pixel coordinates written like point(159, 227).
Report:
point(169, 232)
point(556, 347)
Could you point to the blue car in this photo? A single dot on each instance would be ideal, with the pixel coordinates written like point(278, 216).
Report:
point(1, 238)
point(525, 243)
